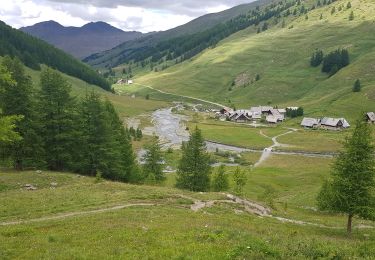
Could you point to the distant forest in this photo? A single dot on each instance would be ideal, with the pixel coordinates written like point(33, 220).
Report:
point(33, 52)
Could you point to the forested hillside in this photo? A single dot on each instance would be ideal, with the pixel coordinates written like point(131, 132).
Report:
point(271, 62)
point(34, 52)
point(199, 33)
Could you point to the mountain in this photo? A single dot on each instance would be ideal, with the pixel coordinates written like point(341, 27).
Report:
point(34, 52)
point(81, 41)
point(147, 46)
point(281, 56)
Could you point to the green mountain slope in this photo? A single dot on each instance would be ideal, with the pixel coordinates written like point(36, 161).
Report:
point(33, 52)
point(281, 57)
point(153, 45)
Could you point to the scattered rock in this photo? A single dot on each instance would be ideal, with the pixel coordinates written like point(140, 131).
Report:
point(30, 187)
point(39, 172)
point(54, 184)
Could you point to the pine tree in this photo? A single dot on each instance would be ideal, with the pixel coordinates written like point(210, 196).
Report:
point(56, 109)
point(265, 27)
point(240, 180)
point(7, 123)
point(321, 17)
point(351, 16)
point(194, 168)
point(349, 5)
point(316, 58)
point(357, 86)
point(121, 153)
point(350, 189)
point(28, 151)
point(153, 167)
point(220, 180)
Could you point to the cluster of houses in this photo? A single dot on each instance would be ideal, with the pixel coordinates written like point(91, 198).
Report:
point(269, 114)
point(329, 123)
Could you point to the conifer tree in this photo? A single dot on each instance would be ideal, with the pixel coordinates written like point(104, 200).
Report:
point(56, 109)
point(351, 16)
point(194, 169)
point(120, 144)
point(7, 123)
point(350, 188)
point(357, 86)
point(18, 100)
point(153, 167)
point(95, 135)
point(220, 180)
point(240, 180)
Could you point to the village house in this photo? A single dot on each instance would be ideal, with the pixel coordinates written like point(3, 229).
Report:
point(241, 116)
point(370, 117)
point(308, 122)
point(333, 123)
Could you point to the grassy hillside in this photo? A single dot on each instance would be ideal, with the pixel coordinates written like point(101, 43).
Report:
point(125, 105)
point(281, 57)
point(82, 218)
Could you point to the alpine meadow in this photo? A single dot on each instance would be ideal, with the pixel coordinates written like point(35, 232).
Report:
point(187, 130)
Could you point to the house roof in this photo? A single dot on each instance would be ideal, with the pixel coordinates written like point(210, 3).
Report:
point(242, 115)
point(309, 122)
point(371, 116)
point(256, 110)
point(334, 122)
point(271, 119)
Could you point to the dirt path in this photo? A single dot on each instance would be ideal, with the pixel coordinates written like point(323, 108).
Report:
point(249, 207)
point(176, 95)
point(77, 213)
point(268, 151)
point(260, 210)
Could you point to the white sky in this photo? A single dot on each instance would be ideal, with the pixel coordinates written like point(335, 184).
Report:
point(138, 15)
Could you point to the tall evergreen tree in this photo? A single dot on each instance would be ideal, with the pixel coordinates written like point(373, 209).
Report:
point(357, 86)
point(194, 169)
point(7, 123)
point(316, 58)
point(56, 109)
point(29, 150)
point(153, 167)
point(351, 16)
point(350, 189)
point(121, 140)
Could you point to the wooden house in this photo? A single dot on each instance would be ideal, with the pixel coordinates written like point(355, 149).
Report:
point(308, 122)
point(333, 123)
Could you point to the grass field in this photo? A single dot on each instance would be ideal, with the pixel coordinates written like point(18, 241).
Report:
point(241, 136)
point(169, 229)
point(286, 77)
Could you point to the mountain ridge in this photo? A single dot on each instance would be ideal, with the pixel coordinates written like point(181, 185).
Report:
point(82, 41)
